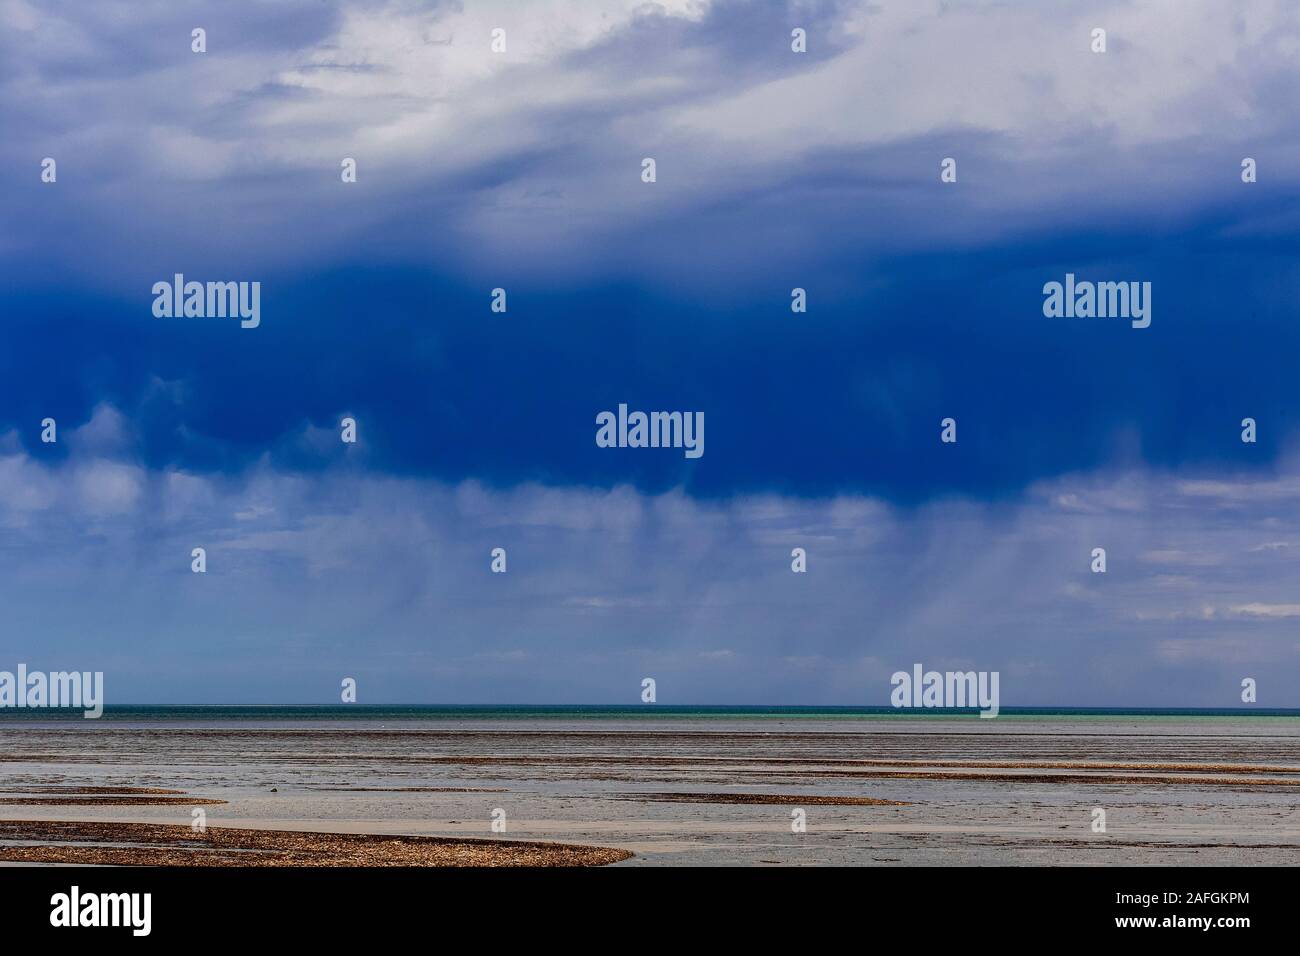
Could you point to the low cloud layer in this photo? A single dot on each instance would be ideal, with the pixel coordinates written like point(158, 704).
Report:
point(341, 573)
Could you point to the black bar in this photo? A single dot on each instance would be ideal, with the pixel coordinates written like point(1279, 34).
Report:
point(633, 907)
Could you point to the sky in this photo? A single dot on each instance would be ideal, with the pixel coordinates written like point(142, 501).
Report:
point(775, 170)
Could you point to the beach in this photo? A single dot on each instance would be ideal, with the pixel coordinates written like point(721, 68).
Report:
point(636, 789)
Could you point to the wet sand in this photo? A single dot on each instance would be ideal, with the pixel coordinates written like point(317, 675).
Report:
point(770, 799)
point(139, 844)
point(936, 791)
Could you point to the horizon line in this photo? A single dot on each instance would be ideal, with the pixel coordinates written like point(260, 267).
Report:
point(648, 706)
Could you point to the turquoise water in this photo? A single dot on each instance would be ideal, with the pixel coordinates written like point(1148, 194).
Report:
point(616, 711)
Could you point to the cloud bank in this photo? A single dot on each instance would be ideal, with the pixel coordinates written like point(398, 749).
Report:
point(521, 170)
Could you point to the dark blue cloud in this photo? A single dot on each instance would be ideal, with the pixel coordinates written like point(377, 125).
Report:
point(925, 299)
point(845, 398)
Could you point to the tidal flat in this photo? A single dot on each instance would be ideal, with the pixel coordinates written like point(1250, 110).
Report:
point(681, 790)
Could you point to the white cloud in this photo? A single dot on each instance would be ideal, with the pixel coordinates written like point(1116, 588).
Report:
point(366, 571)
point(1258, 609)
point(534, 154)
